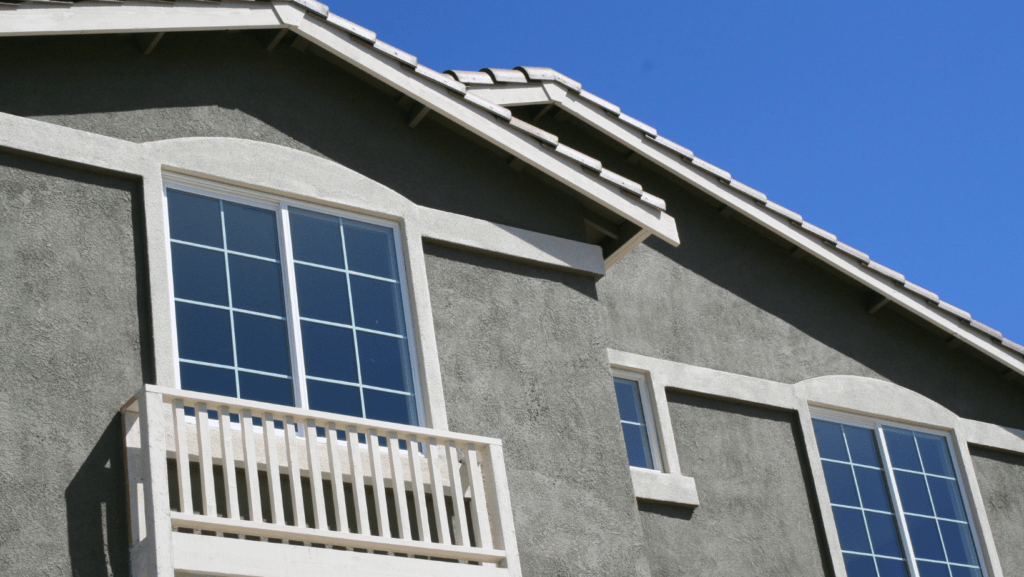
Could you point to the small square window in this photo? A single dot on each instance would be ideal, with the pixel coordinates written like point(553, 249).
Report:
point(637, 419)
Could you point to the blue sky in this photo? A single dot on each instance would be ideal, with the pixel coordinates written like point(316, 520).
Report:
point(899, 126)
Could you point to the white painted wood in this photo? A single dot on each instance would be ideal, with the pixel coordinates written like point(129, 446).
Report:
point(458, 496)
point(481, 524)
point(337, 479)
point(355, 459)
point(227, 452)
point(206, 482)
point(182, 457)
point(964, 465)
point(501, 512)
point(273, 470)
point(418, 483)
point(437, 490)
point(252, 479)
point(821, 492)
point(114, 18)
point(294, 474)
point(154, 556)
point(398, 484)
point(315, 479)
point(377, 472)
point(512, 94)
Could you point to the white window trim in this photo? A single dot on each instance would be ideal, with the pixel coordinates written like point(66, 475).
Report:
point(650, 421)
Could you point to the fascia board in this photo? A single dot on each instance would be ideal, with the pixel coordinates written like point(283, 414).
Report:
point(513, 94)
point(37, 20)
point(634, 140)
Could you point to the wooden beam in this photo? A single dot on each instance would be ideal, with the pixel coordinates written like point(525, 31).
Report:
point(517, 164)
point(543, 111)
point(416, 114)
point(877, 305)
point(300, 43)
point(147, 42)
point(277, 39)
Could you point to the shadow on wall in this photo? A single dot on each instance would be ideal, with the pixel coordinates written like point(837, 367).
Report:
point(97, 510)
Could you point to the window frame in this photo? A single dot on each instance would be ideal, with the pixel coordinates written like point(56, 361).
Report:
point(876, 424)
point(650, 418)
point(280, 205)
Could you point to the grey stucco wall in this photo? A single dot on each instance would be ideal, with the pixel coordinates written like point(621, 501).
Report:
point(522, 358)
point(227, 84)
point(70, 355)
point(755, 515)
point(1001, 480)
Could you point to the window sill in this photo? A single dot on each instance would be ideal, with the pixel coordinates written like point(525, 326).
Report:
point(669, 488)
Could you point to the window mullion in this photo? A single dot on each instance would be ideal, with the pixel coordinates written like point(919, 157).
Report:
point(352, 313)
point(292, 304)
point(894, 494)
point(231, 305)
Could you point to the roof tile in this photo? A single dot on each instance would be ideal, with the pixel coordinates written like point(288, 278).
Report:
point(352, 28)
point(847, 249)
point(712, 169)
point(651, 200)
point(641, 126)
point(922, 292)
point(499, 111)
point(621, 182)
point(470, 76)
point(886, 271)
point(399, 55)
point(955, 311)
point(785, 212)
point(668, 144)
point(750, 191)
point(601, 102)
point(506, 75)
point(1013, 346)
point(542, 135)
point(313, 5)
point(537, 73)
point(818, 231)
point(442, 79)
point(587, 162)
point(987, 330)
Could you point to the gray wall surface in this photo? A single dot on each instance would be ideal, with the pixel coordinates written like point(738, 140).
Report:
point(755, 515)
point(227, 84)
point(70, 355)
point(1001, 479)
point(522, 358)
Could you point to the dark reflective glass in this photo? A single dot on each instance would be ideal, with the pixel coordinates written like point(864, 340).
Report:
point(251, 230)
point(924, 536)
point(265, 389)
point(204, 334)
point(959, 542)
point(377, 305)
point(389, 407)
point(965, 571)
point(946, 496)
point(323, 294)
point(873, 492)
point(935, 454)
point(830, 440)
point(839, 478)
point(199, 274)
point(862, 445)
point(194, 218)
point(852, 534)
point(333, 398)
point(629, 401)
point(859, 565)
point(316, 238)
point(262, 344)
point(637, 447)
point(902, 449)
point(370, 249)
point(256, 285)
point(926, 569)
point(384, 362)
point(891, 568)
point(207, 380)
point(329, 352)
point(913, 493)
point(884, 538)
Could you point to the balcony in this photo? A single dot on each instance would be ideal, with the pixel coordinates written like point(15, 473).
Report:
point(331, 494)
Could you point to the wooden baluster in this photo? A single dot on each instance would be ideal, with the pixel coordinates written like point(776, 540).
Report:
point(504, 535)
point(315, 480)
point(273, 470)
point(398, 478)
point(205, 460)
point(437, 486)
point(337, 482)
point(422, 523)
point(379, 496)
point(458, 497)
point(294, 476)
point(252, 477)
point(181, 455)
point(355, 459)
point(227, 451)
point(481, 524)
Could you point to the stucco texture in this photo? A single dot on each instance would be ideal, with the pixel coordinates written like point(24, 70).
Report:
point(755, 514)
point(522, 359)
point(70, 355)
point(1001, 480)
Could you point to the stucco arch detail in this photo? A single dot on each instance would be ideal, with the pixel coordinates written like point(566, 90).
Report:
point(875, 397)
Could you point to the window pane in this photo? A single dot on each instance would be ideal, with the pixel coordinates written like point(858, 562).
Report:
point(859, 565)
point(946, 497)
point(199, 274)
point(256, 285)
point(251, 230)
point(831, 444)
point(839, 478)
point(884, 538)
point(924, 536)
point(194, 218)
point(873, 493)
point(316, 238)
point(333, 398)
point(891, 568)
point(935, 454)
point(265, 389)
point(204, 334)
point(966, 571)
point(629, 400)
point(959, 543)
point(323, 294)
point(207, 379)
point(383, 362)
point(853, 535)
point(902, 449)
point(390, 407)
point(913, 493)
point(862, 445)
point(927, 569)
point(637, 445)
point(370, 249)
point(377, 305)
point(329, 352)
point(262, 344)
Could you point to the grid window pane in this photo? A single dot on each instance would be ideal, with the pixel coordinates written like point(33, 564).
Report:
point(199, 274)
point(329, 352)
point(636, 445)
point(891, 567)
point(265, 388)
point(634, 426)
point(393, 407)
point(262, 344)
point(316, 238)
point(377, 304)
point(370, 249)
point(842, 490)
point(194, 218)
point(831, 443)
point(204, 334)
point(256, 285)
point(384, 362)
point(323, 294)
point(204, 379)
point(334, 398)
point(859, 565)
point(250, 230)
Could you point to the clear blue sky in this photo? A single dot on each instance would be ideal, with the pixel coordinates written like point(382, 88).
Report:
point(899, 126)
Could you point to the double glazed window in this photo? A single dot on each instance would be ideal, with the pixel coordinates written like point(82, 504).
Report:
point(897, 500)
point(288, 305)
point(637, 420)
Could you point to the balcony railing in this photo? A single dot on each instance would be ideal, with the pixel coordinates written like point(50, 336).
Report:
point(223, 486)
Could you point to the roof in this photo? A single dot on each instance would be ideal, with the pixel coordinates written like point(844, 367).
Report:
point(487, 94)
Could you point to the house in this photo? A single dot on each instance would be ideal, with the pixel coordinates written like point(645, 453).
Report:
point(254, 238)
